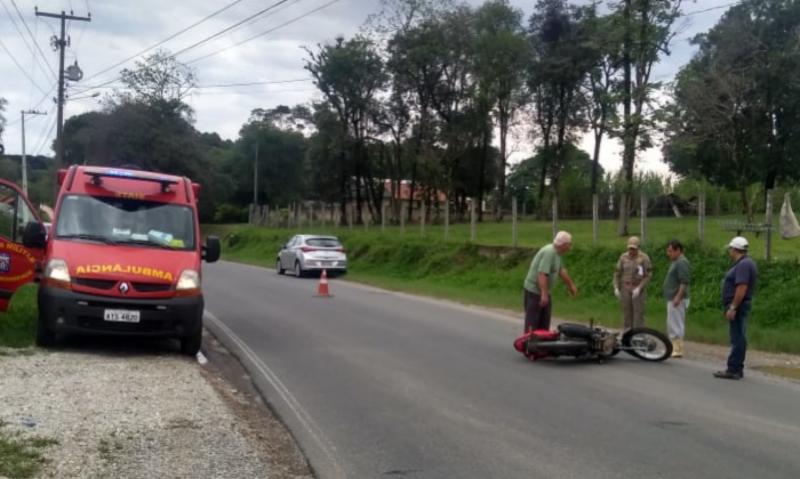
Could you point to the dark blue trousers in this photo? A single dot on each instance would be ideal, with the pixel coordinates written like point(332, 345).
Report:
point(738, 332)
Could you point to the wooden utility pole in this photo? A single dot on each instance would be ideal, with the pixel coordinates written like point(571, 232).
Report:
point(61, 43)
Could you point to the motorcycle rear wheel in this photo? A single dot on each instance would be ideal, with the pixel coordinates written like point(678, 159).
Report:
point(647, 344)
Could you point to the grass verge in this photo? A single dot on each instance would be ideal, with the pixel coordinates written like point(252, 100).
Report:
point(21, 458)
point(18, 324)
point(492, 276)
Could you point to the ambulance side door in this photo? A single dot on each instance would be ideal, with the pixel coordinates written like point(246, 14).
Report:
point(17, 263)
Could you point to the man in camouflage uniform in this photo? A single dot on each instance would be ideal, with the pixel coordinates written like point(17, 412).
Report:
point(631, 276)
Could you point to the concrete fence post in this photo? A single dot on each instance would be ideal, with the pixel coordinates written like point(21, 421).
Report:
point(514, 222)
point(447, 219)
point(643, 217)
point(473, 221)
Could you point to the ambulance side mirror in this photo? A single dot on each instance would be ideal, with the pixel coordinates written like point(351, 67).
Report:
point(212, 249)
point(34, 236)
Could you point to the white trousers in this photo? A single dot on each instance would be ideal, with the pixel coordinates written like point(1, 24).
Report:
point(676, 319)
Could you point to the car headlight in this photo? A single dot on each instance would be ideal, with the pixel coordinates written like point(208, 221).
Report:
point(188, 280)
point(57, 270)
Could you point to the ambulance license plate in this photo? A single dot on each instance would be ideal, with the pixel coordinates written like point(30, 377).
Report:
point(122, 316)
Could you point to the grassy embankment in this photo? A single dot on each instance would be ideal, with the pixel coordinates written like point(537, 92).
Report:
point(492, 274)
point(18, 324)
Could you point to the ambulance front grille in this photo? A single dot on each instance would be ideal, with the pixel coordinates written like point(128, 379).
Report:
point(152, 287)
point(95, 283)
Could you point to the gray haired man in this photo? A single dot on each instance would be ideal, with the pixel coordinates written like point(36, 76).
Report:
point(546, 265)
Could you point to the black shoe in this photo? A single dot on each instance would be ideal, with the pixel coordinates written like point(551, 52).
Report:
point(727, 375)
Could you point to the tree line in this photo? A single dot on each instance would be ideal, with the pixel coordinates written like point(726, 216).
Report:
point(433, 97)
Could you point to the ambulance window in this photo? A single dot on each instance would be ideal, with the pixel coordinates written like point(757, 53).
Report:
point(14, 214)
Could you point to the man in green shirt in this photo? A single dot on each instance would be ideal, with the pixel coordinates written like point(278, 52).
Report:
point(546, 265)
point(676, 293)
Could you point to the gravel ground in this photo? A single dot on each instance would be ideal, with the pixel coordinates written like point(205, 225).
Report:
point(139, 414)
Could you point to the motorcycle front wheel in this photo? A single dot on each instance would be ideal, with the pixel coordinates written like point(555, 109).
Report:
point(647, 344)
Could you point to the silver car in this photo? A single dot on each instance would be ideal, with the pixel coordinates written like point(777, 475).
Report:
point(304, 253)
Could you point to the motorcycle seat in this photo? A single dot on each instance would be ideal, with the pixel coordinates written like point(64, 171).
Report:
point(575, 330)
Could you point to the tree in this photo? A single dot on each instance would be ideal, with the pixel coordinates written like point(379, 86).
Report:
point(601, 83)
point(646, 27)
point(576, 179)
point(281, 166)
point(560, 63)
point(159, 81)
point(709, 133)
point(501, 51)
point(350, 73)
point(734, 117)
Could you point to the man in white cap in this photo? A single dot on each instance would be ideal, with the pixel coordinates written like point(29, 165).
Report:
point(737, 294)
point(546, 265)
point(634, 270)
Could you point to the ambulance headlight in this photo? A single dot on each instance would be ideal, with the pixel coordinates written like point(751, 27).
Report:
point(188, 280)
point(57, 270)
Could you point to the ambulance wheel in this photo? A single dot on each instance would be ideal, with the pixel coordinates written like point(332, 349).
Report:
point(190, 344)
point(279, 267)
point(45, 337)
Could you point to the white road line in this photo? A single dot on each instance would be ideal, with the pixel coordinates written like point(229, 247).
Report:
point(308, 423)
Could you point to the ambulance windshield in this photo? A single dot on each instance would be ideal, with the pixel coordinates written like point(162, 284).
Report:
point(126, 221)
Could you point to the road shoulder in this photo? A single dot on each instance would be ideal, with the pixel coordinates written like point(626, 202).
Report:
point(138, 411)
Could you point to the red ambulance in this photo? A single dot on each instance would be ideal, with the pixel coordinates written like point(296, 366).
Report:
point(123, 256)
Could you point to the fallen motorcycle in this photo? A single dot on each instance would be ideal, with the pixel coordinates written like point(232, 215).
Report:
point(581, 341)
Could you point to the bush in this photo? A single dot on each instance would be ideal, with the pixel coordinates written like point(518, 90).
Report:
point(228, 213)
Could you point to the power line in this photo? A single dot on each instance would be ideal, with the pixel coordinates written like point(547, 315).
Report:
point(254, 92)
point(174, 35)
point(33, 39)
point(285, 24)
point(219, 85)
point(43, 141)
point(83, 26)
point(25, 41)
point(718, 7)
point(254, 20)
point(24, 72)
point(217, 34)
point(225, 30)
point(253, 83)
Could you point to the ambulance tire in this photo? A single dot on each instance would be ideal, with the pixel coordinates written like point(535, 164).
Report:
point(190, 344)
point(45, 337)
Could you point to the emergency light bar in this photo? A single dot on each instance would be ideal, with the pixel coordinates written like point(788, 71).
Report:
point(97, 177)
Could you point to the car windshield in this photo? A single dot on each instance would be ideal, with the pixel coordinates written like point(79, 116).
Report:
point(323, 242)
point(126, 221)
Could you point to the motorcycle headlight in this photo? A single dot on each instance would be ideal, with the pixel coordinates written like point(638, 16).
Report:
point(57, 270)
point(188, 280)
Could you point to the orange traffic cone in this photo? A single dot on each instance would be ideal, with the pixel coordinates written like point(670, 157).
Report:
point(323, 286)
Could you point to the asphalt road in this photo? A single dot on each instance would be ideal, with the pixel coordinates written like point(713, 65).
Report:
point(377, 384)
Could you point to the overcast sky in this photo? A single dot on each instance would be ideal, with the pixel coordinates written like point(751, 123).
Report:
point(121, 28)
